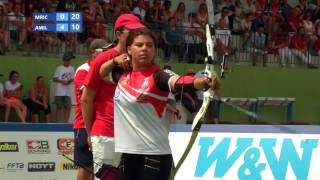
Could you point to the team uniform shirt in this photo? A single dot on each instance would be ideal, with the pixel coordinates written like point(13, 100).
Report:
point(141, 121)
point(65, 74)
point(103, 107)
point(79, 78)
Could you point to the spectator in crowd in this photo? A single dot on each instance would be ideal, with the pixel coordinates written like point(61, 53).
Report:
point(276, 19)
point(302, 5)
point(127, 4)
point(294, 20)
point(8, 7)
point(285, 9)
point(98, 29)
point(97, 105)
point(4, 34)
point(21, 3)
point(202, 15)
point(141, 129)
point(139, 10)
point(248, 6)
point(38, 100)
point(88, 22)
point(192, 37)
point(279, 45)
point(180, 14)
point(82, 154)
point(219, 5)
point(12, 97)
point(120, 7)
point(153, 15)
point(261, 19)
point(308, 24)
point(256, 45)
point(63, 77)
point(309, 28)
point(94, 8)
point(236, 17)
point(108, 11)
point(246, 25)
point(166, 12)
point(299, 49)
point(17, 26)
point(221, 19)
point(171, 37)
point(261, 5)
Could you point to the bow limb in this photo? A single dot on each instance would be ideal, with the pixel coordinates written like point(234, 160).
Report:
point(208, 96)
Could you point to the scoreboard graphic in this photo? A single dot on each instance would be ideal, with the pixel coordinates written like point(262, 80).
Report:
point(57, 22)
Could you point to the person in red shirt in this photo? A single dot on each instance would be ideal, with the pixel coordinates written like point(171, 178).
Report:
point(98, 29)
point(279, 44)
point(294, 20)
point(97, 98)
point(299, 47)
point(82, 154)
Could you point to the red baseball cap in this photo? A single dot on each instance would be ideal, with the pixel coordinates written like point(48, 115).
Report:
point(129, 21)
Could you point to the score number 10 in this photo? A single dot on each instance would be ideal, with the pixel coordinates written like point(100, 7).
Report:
point(75, 27)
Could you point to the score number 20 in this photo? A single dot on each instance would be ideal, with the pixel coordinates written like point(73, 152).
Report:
point(75, 17)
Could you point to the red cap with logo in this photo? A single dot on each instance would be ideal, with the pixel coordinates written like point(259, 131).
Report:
point(129, 21)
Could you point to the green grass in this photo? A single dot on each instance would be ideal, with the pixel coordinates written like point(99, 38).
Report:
point(241, 82)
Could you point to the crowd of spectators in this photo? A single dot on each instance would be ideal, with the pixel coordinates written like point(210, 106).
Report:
point(177, 30)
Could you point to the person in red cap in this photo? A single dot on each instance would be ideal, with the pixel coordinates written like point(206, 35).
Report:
point(82, 154)
point(97, 99)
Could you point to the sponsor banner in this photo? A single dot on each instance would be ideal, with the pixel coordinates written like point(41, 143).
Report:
point(41, 166)
point(65, 146)
point(9, 147)
point(222, 152)
point(245, 156)
point(67, 165)
point(38, 146)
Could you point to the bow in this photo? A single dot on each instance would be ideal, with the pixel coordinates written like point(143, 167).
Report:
point(208, 94)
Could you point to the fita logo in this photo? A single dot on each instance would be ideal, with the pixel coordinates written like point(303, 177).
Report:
point(65, 146)
point(38, 146)
point(41, 166)
point(9, 147)
point(15, 166)
point(67, 165)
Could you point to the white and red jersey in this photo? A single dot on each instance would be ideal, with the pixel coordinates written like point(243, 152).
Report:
point(141, 124)
point(103, 102)
point(79, 78)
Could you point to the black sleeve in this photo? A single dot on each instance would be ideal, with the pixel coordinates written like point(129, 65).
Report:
point(161, 79)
